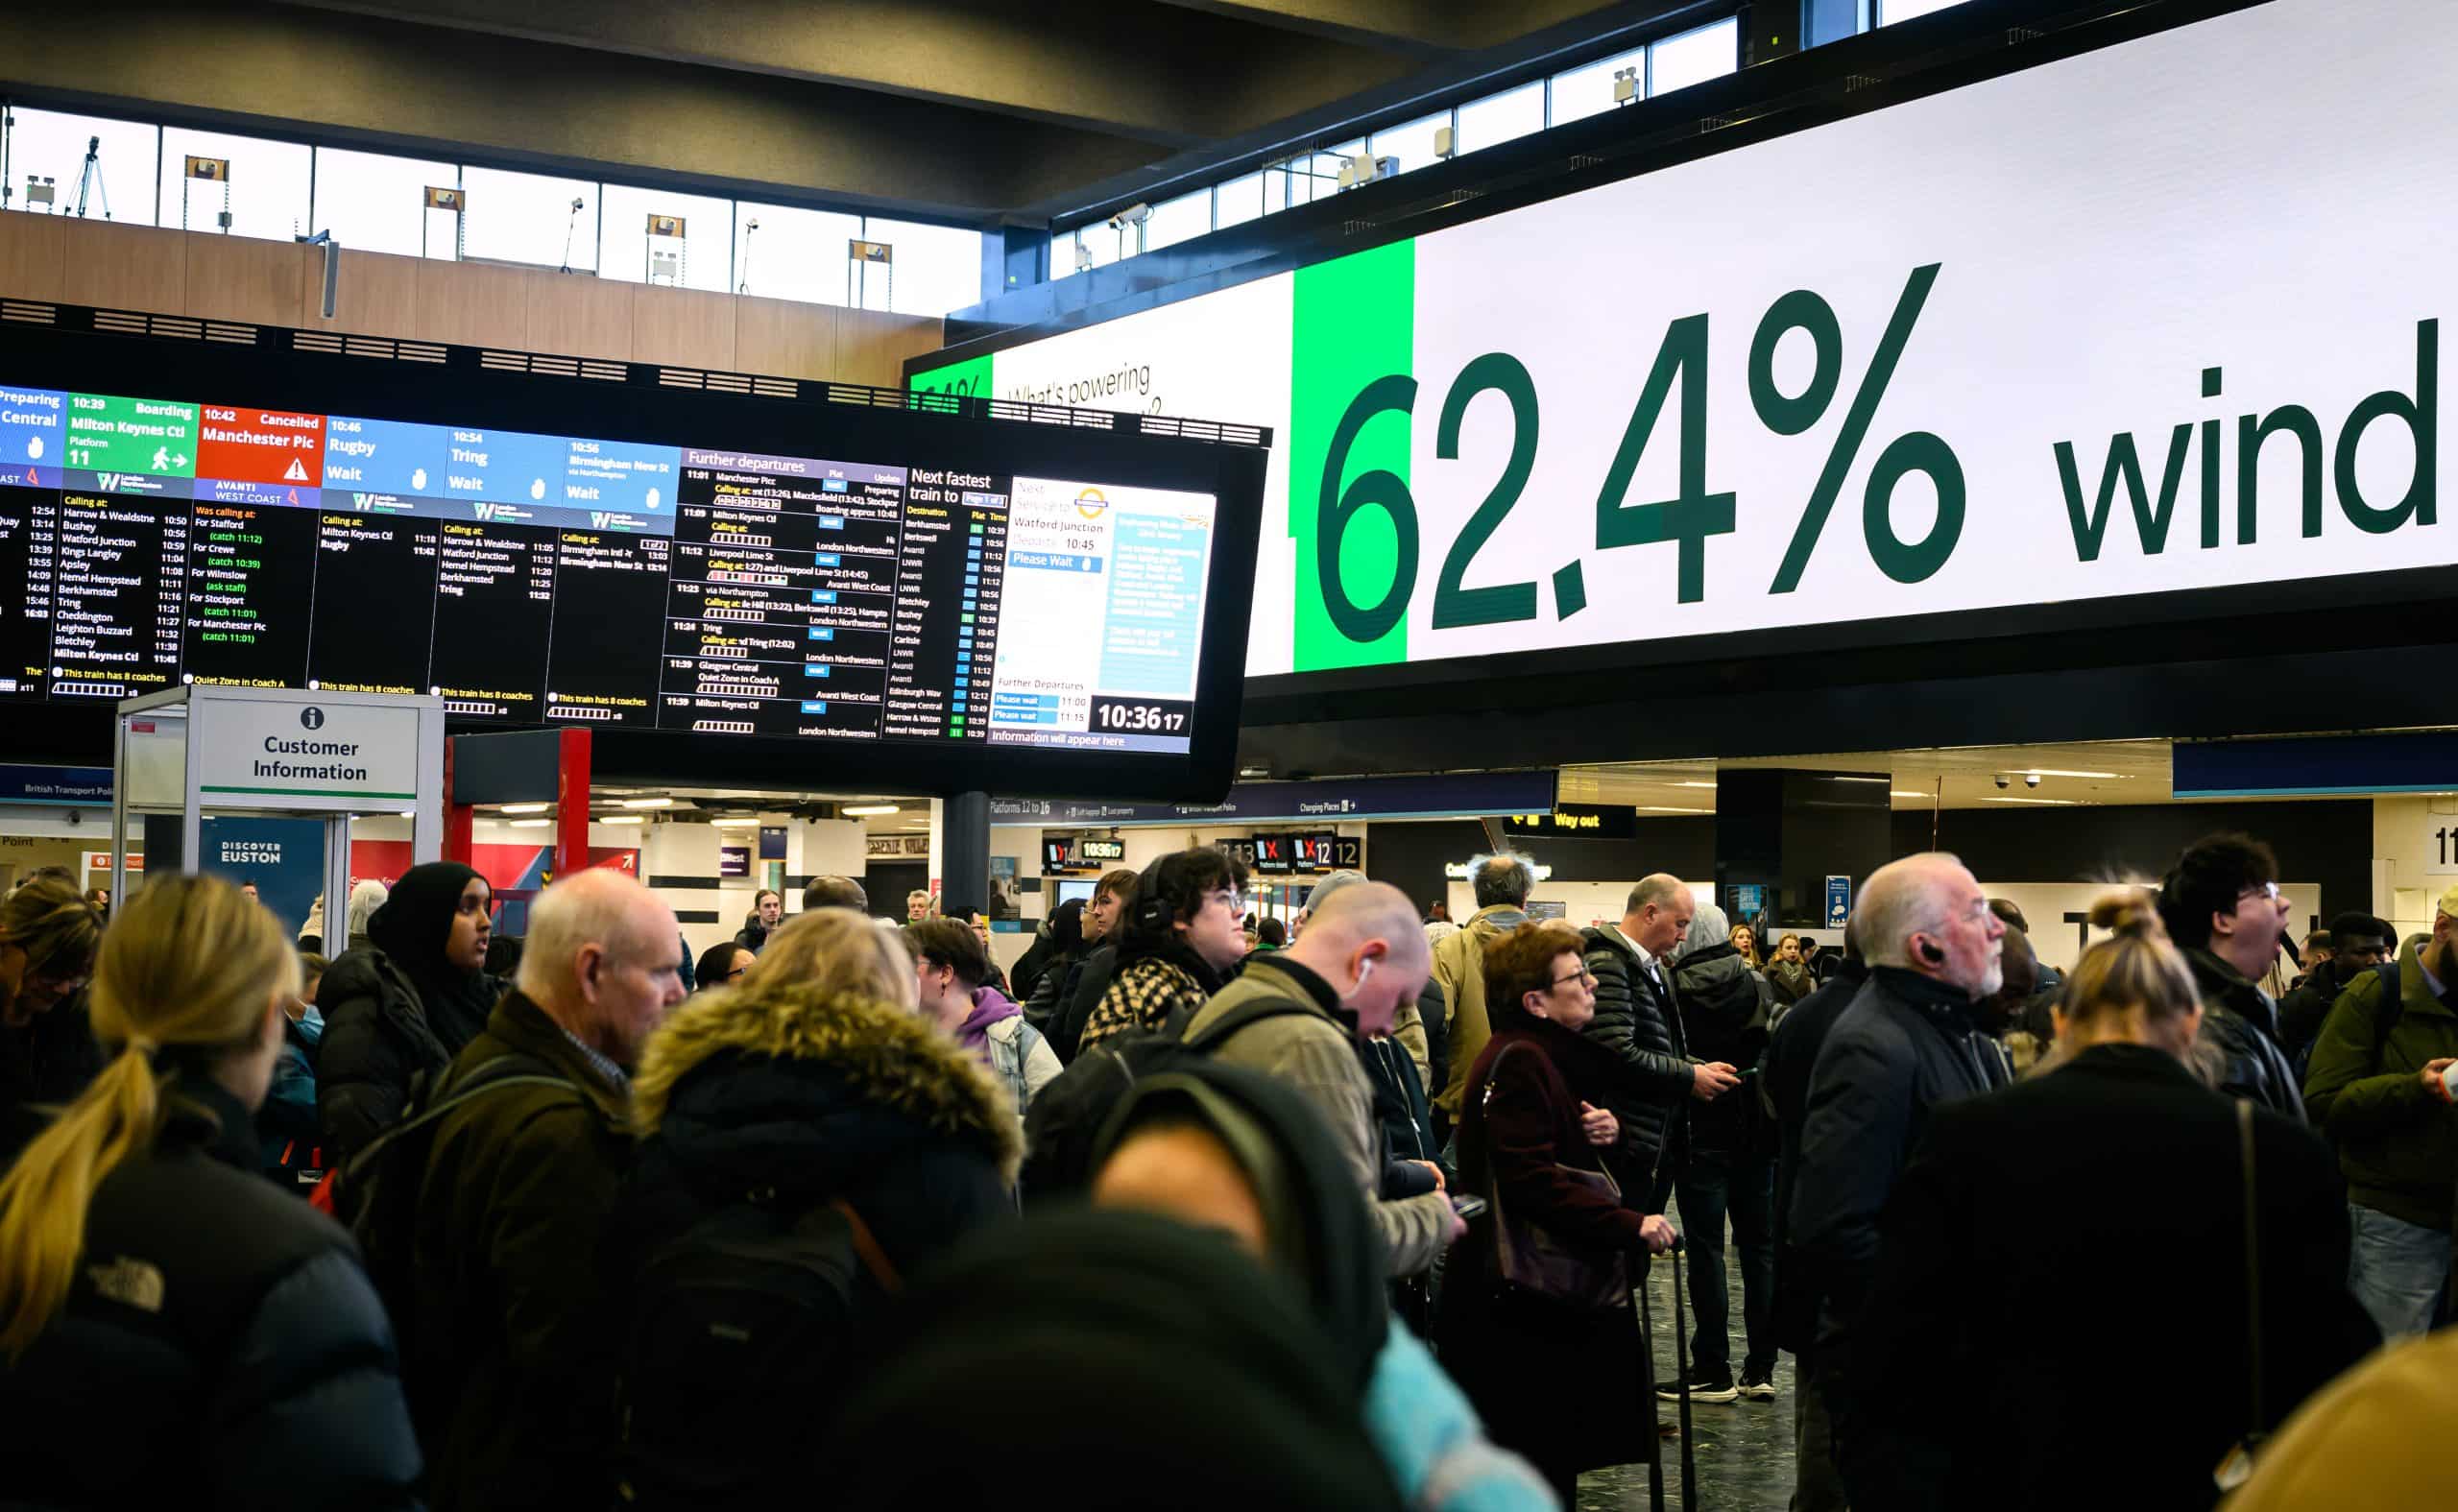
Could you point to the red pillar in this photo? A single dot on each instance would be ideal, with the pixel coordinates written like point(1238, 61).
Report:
point(572, 803)
point(458, 845)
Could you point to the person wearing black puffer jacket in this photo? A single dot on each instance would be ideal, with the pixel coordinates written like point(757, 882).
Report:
point(1725, 1008)
point(2222, 906)
point(404, 1005)
point(817, 1081)
point(175, 1330)
point(1636, 1019)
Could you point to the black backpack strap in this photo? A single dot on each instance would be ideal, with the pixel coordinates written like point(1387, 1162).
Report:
point(506, 1070)
point(1253, 1011)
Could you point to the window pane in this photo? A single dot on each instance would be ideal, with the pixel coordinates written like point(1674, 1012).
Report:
point(529, 218)
point(1412, 142)
point(1890, 11)
point(937, 268)
point(696, 260)
point(1306, 178)
point(375, 202)
point(1583, 92)
point(1499, 118)
point(795, 255)
point(1238, 200)
point(1710, 52)
point(1182, 218)
point(267, 191)
point(48, 144)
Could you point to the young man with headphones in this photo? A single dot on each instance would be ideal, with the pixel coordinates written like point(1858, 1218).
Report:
point(1908, 1043)
point(1183, 936)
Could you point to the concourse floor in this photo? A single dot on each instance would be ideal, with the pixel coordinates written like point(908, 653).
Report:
point(1744, 1449)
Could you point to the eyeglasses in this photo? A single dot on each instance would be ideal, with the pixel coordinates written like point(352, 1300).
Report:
point(2268, 890)
point(1583, 974)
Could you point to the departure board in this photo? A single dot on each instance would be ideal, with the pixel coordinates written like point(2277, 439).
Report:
point(532, 579)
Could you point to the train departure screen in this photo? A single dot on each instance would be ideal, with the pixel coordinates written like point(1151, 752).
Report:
point(532, 579)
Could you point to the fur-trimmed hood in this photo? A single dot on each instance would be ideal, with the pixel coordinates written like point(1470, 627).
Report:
point(779, 1076)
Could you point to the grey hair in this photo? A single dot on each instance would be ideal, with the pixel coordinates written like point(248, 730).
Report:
point(1505, 876)
point(1895, 903)
point(366, 895)
point(1659, 889)
point(590, 907)
point(1708, 928)
point(1330, 884)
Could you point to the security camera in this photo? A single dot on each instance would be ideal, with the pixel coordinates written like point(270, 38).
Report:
point(1132, 215)
point(2001, 780)
point(2030, 779)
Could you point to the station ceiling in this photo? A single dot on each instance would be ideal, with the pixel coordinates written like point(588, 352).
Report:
point(2078, 774)
point(977, 109)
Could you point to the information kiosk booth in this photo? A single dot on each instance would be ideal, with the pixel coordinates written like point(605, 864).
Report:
point(259, 751)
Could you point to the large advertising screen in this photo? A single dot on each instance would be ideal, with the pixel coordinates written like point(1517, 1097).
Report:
point(2155, 318)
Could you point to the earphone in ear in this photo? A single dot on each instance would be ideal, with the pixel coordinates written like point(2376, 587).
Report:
point(1931, 954)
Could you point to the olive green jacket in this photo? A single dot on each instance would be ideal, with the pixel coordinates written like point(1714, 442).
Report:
point(2398, 1142)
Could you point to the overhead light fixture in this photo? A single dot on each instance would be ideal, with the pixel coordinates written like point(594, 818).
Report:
point(1659, 809)
point(527, 808)
point(733, 823)
point(1902, 793)
point(1689, 785)
point(2060, 803)
point(648, 802)
point(2050, 771)
point(868, 810)
point(1845, 776)
point(621, 819)
point(531, 824)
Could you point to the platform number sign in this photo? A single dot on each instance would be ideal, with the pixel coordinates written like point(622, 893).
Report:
point(2441, 847)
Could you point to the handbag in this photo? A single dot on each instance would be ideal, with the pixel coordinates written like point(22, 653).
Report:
point(1531, 1258)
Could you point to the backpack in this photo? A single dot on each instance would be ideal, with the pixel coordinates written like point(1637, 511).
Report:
point(375, 1193)
point(1066, 1119)
point(739, 1326)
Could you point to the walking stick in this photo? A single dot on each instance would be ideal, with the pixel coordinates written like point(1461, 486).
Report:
point(1681, 1362)
point(1647, 1343)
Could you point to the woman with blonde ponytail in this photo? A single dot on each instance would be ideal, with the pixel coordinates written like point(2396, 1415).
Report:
point(174, 1329)
point(2054, 1245)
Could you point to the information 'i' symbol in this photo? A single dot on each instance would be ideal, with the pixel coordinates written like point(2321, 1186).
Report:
point(312, 717)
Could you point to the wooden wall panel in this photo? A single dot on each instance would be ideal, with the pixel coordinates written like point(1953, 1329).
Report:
point(872, 345)
point(682, 327)
point(471, 305)
point(242, 278)
point(580, 316)
point(33, 256)
point(784, 339)
point(378, 295)
point(119, 267)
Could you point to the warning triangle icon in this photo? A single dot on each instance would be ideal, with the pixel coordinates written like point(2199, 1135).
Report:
point(296, 472)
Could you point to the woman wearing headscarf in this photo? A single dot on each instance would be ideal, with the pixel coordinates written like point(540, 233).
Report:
point(406, 1003)
point(1562, 1383)
point(1117, 1360)
point(173, 1329)
point(1231, 1149)
point(1043, 970)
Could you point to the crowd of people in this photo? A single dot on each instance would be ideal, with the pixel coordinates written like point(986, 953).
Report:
point(1351, 1212)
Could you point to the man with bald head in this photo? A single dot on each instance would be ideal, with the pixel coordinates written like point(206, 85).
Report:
point(1909, 1043)
point(1302, 1015)
point(507, 1361)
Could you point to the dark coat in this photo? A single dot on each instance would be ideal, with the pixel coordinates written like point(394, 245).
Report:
point(379, 1036)
point(2044, 1191)
point(753, 936)
point(1906, 1046)
point(1724, 1008)
point(2241, 1026)
point(43, 1067)
point(1650, 1097)
point(1792, 1054)
point(1790, 981)
point(1087, 980)
point(220, 1345)
point(512, 1353)
point(1519, 1123)
point(2302, 1011)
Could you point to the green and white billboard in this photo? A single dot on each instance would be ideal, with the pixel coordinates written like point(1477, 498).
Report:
point(2159, 317)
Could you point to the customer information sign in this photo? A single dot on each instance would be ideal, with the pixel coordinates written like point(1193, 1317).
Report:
point(2159, 317)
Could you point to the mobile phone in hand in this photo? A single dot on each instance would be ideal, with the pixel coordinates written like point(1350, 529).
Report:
point(1468, 1206)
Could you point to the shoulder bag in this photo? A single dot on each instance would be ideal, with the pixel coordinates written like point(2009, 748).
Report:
point(1531, 1258)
